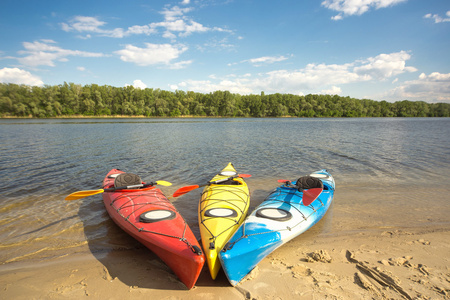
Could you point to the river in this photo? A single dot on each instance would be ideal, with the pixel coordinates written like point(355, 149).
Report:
point(390, 172)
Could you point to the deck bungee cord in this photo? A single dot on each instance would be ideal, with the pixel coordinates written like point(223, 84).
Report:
point(242, 198)
point(161, 203)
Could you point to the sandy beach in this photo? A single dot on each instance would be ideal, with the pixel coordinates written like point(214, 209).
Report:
point(380, 264)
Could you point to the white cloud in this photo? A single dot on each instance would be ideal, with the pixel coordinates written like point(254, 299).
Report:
point(434, 87)
point(82, 69)
point(437, 18)
point(221, 44)
point(91, 24)
point(175, 22)
point(154, 54)
point(385, 65)
point(82, 23)
point(334, 90)
point(136, 29)
point(266, 60)
point(174, 13)
point(337, 17)
point(311, 78)
point(260, 61)
point(84, 37)
point(45, 53)
point(138, 84)
point(234, 86)
point(182, 27)
point(18, 76)
point(180, 65)
point(356, 7)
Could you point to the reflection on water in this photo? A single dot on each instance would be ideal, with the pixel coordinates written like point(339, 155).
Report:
point(387, 171)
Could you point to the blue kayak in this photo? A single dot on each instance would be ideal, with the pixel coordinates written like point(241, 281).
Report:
point(286, 213)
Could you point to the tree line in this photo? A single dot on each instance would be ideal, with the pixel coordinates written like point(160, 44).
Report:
point(71, 99)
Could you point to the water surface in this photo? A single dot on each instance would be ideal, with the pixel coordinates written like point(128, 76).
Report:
point(389, 172)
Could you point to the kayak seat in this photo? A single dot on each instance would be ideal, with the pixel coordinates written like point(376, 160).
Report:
point(308, 182)
point(230, 182)
point(125, 179)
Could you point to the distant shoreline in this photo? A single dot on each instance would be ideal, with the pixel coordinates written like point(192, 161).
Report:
point(112, 117)
point(186, 116)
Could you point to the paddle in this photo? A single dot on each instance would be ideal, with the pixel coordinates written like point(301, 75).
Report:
point(309, 195)
point(284, 181)
point(82, 194)
point(186, 189)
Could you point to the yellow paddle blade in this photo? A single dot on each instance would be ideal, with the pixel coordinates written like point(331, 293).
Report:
point(164, 183)
point(82, 194)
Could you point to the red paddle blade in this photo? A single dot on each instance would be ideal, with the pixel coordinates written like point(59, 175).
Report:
point(184, 190)
point(283, 180)
point(310, 195)
point(245, 175)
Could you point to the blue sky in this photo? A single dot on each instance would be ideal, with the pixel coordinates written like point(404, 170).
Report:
point(376, 49)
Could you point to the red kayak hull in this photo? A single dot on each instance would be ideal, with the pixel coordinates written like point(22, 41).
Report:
point(170, 239)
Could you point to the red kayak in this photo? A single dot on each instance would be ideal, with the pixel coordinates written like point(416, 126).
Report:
point(148, 216)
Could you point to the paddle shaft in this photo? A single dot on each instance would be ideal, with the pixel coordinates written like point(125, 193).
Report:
point(128, 187)
point(187, 189)
point(83, 194)
point(221, 180)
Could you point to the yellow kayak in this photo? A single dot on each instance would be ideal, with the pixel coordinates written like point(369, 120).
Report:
point(222, 209)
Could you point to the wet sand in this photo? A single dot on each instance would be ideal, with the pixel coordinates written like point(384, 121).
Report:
point(352, 253)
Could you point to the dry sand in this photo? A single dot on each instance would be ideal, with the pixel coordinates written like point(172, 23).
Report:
point(379, 264)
